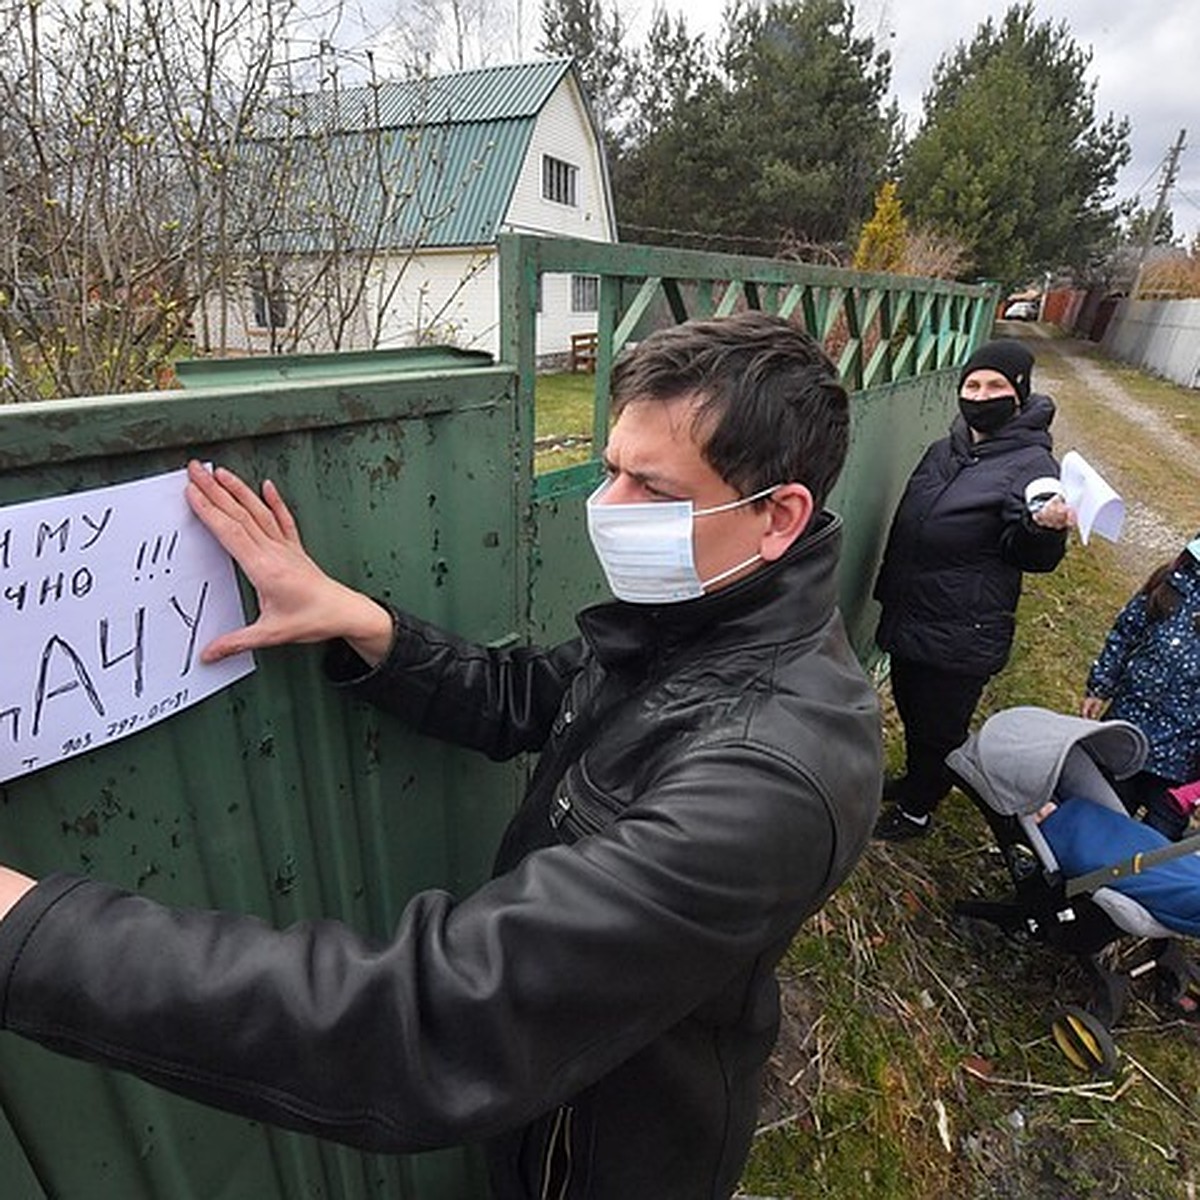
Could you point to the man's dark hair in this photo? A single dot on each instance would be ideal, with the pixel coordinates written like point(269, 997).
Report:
point(770, 400)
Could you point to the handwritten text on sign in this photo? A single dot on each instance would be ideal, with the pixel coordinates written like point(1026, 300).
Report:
point(106, 599)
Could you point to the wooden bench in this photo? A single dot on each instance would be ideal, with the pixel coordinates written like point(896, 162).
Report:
point(583, 352)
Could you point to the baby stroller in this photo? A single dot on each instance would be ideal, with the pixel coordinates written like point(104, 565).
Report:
point(1014, 765)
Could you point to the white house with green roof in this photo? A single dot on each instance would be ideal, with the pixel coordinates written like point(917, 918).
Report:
point(389, 203)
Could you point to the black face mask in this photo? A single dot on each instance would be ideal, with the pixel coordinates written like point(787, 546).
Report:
point(986, 416)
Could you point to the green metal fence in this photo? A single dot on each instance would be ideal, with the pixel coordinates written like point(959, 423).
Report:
point(897, 341)
point(412, 477)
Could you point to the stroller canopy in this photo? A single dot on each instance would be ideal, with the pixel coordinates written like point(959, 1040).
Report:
point(1018, 757)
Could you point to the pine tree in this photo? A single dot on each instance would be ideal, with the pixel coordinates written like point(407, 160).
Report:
point(1010, 158)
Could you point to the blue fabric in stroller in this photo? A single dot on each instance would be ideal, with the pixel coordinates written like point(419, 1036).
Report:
point(1018, 762)
point(1085, 836)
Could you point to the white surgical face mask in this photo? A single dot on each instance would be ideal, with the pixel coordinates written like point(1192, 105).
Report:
point(646, 549)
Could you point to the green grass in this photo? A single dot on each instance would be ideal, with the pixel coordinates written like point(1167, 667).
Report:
point(563, 420)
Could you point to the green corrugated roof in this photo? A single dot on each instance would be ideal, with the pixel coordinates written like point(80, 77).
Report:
point(424, 162)
point(505, 93)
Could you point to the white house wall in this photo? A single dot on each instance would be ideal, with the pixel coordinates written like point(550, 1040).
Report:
point(446, 297)
point(452, 298)
point(563, 131)
point(224, 322)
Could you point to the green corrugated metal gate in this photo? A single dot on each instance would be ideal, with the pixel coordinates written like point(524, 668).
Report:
point(411, 475)
point(274, 796)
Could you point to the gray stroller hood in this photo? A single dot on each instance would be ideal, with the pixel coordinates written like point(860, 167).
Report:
point(1017, 759)
point(1020, 756)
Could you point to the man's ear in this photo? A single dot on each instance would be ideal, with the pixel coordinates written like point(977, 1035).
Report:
point(789, 509)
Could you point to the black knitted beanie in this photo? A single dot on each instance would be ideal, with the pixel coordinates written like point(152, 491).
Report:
point(1009, 357)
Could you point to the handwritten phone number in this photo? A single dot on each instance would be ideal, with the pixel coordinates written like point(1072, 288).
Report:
point(124, 725)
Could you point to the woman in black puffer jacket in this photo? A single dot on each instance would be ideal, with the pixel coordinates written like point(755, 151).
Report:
point(951, 576)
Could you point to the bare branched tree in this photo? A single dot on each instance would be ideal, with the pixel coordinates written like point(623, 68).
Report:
point(425, 36)
point(93, 282)
point(212, 173)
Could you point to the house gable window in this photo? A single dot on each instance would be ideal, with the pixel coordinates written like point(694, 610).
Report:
point(559, 181)
point(585, 293)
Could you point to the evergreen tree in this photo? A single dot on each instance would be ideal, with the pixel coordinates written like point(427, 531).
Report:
point(1009, 157)
point(594, 36)
point(881, 245)
point(669, 72)
point(788, 138)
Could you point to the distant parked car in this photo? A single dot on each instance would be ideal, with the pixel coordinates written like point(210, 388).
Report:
point(1022, 310)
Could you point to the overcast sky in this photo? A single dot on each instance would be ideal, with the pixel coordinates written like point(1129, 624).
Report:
point(1145, 63)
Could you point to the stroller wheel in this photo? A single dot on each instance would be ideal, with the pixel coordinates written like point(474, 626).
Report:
point(1085, 1041)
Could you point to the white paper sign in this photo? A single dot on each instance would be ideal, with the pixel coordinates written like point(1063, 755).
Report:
point(1097, 506)
point(106, 599)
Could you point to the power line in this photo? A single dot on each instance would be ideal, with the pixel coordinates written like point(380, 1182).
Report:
point(699, 234)
point(783, 246)
point(1192, 200)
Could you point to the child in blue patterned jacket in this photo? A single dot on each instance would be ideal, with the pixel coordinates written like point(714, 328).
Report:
point(1148, 672)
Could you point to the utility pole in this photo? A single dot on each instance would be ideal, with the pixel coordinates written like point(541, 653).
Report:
point(1160, 207)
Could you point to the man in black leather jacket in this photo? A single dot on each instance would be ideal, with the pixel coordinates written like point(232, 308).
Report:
point(602, 1010)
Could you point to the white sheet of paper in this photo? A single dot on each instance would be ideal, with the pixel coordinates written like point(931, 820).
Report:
point(1097, 505)
point(106, 599)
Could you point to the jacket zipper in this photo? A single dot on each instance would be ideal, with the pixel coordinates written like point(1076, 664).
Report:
point(561, 806)
point(560, 809)
point(586, 819)
point(557, 1160)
